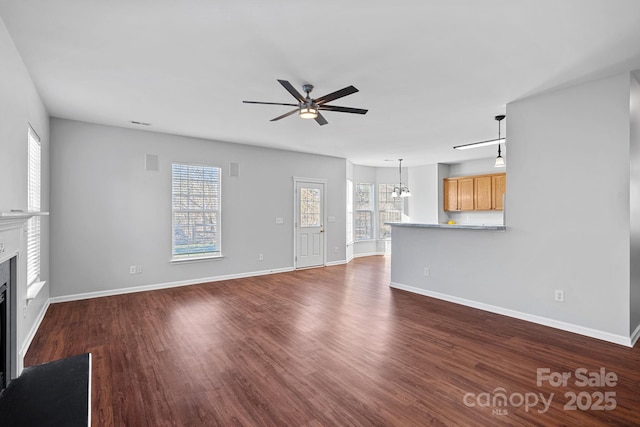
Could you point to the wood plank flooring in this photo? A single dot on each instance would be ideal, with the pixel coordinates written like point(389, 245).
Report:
point(333, 346)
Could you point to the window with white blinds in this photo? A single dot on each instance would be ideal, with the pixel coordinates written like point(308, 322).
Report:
point(196, 205)
point(33, 204)
point(389, 209)
point(363, 219)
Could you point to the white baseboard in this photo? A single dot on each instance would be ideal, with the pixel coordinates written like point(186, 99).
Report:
point(31, 335)
point(368, 254)
point(635, 335)
point(120, 291)
point(340, 262)
point(569, 327)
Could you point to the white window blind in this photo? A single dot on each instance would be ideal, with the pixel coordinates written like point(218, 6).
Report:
point(33, 204)
point(196, 211)
point(389, 210)
point(363, 220)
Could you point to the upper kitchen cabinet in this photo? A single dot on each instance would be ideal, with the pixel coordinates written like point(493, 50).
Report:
point(498, 188)
point(474, 193)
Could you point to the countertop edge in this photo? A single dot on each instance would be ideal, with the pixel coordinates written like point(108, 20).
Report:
point(453, 226)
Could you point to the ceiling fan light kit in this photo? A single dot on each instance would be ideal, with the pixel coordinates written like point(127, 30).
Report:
point(309, 108)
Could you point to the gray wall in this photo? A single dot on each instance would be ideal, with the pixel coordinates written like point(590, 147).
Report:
point(426, 194)
point(20, 105)
point(109, 213)
point(567, 218)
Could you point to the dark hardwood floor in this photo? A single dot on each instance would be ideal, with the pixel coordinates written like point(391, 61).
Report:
point(332, 346)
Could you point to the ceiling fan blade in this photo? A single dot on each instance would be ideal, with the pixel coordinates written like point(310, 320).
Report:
point(342, 109)
point(335, 95)
point(269, 103)
point(285, 115)
point(289, 87)
point(321, 120)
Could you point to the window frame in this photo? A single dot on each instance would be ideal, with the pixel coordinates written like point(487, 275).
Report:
point(34, 204)
point(215, 202)
point(350, 216)
point(384, 202)
point(371, 211)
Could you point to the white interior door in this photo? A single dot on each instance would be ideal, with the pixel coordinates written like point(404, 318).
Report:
point(309, 224)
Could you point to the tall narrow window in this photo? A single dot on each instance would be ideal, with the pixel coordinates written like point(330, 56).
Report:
point(196, 211)
point(389, 209)
point(363, 219)
point(349, 211)
point(33, 204)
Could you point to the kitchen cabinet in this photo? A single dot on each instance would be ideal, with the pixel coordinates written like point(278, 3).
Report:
point(474, 193)
point(465, 194)
point(483, 199)
point(450, 194)
point(498, 188)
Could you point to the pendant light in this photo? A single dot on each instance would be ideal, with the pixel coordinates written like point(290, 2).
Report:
point(500, 163)
point(400, 191)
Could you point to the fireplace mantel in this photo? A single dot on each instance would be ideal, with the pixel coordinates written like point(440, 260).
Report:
point(13, 233)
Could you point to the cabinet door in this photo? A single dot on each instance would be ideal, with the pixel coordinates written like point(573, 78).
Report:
point(498, 188)
point(465, 194)
point(482, 193)
point(450, 194)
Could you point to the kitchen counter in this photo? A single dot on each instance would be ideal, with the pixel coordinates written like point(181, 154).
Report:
point(458, 226)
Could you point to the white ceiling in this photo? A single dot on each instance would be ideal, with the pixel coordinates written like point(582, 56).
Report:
point(433, 74)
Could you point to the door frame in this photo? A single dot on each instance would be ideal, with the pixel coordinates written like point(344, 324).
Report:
point(296, 215)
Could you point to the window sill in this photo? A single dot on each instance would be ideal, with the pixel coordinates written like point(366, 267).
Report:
point(34, 289)
point(195, 259)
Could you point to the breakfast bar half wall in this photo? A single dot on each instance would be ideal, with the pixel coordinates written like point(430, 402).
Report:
point(467, 264)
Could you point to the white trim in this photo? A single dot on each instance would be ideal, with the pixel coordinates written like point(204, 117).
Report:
point(195, 259)
point(34, 289)
point(296, 215)
point(89, 391)
point(569, 327)
point(368, 254)
point(339, 262)
point(634, 336)
point(144, 288)
point(32, 333)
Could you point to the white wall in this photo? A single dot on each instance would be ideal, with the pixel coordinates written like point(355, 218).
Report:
point(20, 105)
point(567, 219)
point(109, 212)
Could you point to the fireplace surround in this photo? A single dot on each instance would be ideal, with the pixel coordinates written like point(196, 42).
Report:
point(7, 330)
point(13, 271)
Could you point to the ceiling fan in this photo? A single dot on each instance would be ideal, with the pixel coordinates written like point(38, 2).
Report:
point(310, 108)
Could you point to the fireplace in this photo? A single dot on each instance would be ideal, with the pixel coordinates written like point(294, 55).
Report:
point(7, 328)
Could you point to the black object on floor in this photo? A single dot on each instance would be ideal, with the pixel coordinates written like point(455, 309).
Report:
point(55, 394)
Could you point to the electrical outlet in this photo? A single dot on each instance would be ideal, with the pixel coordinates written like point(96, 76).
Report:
point(335, 250)
point(426, 271)
point(132, 269)
point(139, 269)
point(261, 257)
point(559, 295)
